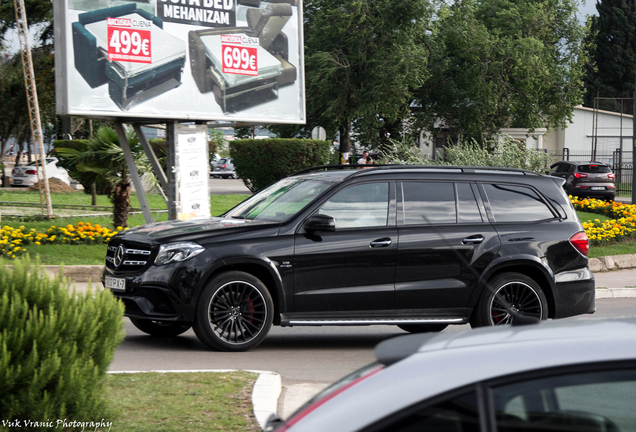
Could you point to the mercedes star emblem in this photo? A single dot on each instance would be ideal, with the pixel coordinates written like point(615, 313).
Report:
point(119, 256)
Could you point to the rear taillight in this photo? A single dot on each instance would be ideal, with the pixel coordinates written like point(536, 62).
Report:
point(580, 175)
point(580, 243)
point(611, 175)
point(13, 171)
point(30, 172)
point(223, 166)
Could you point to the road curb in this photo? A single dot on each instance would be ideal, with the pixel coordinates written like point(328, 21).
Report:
point(265, 393)
point(614, 262)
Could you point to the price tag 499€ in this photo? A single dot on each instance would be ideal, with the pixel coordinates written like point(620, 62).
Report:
point(129, 40)
point(240, 55)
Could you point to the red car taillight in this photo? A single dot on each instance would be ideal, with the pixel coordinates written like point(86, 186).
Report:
point(13, 171)
point(611, 175)
point(31, 172)
point(223, 166)
point(580, 243)
point(580, 175)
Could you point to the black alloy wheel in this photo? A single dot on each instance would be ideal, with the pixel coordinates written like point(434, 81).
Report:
point(160, 328)
point(235, 312)
point(508, 295)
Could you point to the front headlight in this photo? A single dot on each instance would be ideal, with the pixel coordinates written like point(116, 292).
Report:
point(175, 252)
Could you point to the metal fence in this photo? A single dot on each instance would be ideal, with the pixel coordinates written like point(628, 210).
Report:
point(620, 161)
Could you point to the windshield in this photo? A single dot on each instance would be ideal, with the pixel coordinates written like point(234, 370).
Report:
point(280, 201)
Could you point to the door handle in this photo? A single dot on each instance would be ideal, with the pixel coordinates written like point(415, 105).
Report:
point(383, 242)
point(476, 239)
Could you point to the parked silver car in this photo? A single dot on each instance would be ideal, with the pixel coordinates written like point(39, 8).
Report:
point(569, 375)
point(223, 168)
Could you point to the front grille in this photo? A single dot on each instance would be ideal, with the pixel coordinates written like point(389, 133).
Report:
point(128, 256)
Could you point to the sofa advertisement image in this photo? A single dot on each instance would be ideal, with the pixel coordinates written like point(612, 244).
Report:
point(234, 60)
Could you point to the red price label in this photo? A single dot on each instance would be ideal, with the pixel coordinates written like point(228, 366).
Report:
point(240, 60)
point(128, 44)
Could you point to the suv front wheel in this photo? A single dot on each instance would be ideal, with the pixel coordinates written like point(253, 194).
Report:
point(234, 313)
point(506, 295)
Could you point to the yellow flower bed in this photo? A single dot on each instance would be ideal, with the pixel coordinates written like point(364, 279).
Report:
point(621, 227)
point(12, 240)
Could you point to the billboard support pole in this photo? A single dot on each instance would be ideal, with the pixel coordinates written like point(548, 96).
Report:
point(132, 168)
point(156, 166)
point(171, 139)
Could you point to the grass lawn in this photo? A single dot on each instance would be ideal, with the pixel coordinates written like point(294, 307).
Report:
point(182, 402)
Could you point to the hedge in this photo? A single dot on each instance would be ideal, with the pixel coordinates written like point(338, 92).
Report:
point(55, 348)
point(261, 162)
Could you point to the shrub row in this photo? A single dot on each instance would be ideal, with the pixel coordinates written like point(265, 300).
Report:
point(261, 162)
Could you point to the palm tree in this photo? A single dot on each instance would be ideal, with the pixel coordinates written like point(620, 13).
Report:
point(104, 158)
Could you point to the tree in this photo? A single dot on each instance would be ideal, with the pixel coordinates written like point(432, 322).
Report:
point(363, 58)
point(613, 54)
point(105, 158)
point(503, 63)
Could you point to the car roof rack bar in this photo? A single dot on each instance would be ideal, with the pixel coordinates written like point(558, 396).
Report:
point(378, 167)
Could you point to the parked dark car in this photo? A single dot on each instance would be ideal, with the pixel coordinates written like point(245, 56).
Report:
point(565, 376)
point(586, 179)
point(223, 168)
point(416, 247)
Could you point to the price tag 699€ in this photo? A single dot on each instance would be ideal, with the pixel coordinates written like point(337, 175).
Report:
point(241, 59)
point(129, 40)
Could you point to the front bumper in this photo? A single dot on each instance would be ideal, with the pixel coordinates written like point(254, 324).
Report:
point(160, 293)
point(575, 293)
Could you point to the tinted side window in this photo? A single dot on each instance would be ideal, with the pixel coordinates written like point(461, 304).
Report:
point(468, 208)
point(428, 203)
point(363, 205)
point(460, 414)
point(589, 401)
point(511, 203)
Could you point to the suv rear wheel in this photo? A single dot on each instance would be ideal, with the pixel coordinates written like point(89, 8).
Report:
point(509, 290)
point(234, 313)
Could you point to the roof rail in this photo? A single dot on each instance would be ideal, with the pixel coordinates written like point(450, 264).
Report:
point(381, 167)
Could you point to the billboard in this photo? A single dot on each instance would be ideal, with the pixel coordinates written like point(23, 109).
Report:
point(234, 60)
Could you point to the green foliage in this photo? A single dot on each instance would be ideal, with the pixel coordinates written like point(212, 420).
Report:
point(503, 63)
point(85, 178)
point(507, 152)
point(55, 347)
point(612, 39)
point(362, 59)
point(262, 162)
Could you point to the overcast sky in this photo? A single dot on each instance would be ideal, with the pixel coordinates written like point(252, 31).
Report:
point(587, 8)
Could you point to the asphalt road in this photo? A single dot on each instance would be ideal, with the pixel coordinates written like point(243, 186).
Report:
point(219, 186)
point(298, 354)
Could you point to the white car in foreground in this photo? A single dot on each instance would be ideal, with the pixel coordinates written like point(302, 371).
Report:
point(27, 175)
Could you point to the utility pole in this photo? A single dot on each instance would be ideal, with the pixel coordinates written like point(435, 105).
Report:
point(32, 100)
point(634, 135)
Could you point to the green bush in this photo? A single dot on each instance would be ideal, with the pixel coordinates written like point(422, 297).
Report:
point(261, 162)
point(55, 348)
point(507, 152)
point(86, 179)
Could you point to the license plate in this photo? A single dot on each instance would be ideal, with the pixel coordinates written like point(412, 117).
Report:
point(598, 188)
point(17, 181)
point(116, 284)
point(20, 175)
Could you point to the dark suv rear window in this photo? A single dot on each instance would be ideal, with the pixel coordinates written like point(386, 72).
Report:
point(594, 169)
point(511, 203)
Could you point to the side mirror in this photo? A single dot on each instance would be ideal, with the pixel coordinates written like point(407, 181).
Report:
point(320, 222)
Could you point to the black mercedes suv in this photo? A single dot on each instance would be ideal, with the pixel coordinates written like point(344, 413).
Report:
point(414, 246)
